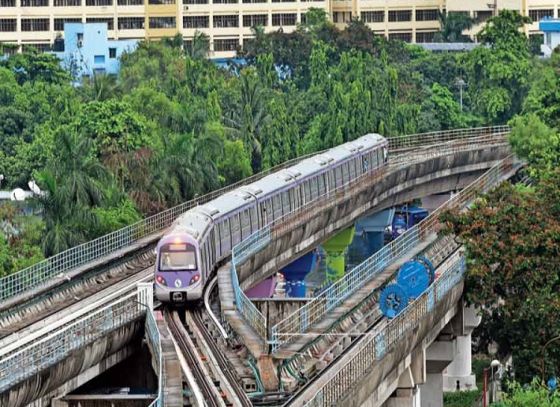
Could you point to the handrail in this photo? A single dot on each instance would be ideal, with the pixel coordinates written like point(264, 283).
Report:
point(374, 347)
point(260, 239)
point(313, 311)
point(54, 346)
point(54, 267)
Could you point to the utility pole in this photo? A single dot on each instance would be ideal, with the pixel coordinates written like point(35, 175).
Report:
point(460, 83)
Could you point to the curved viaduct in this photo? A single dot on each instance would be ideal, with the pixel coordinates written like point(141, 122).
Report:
point(409, 177)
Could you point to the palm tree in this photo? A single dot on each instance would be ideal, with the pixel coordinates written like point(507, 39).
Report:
point(67, 223)
point(452, 27)
point(200, 46)
point(79, 170)
point(248, 119)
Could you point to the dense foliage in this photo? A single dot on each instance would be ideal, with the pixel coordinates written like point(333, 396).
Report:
point(512, 236)
point(534, 395)
point(172, 125)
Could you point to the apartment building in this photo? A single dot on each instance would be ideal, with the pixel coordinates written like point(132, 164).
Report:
point(228, 22)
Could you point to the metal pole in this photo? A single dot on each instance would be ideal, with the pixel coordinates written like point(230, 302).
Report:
point(484, 386)
point(461, 96)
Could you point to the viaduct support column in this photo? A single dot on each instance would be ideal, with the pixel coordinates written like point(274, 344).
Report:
point(336, 249)
point(438, 355)
point(458, 375)
point(295, 274)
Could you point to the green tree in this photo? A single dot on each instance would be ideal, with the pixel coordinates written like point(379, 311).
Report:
point(453, 25)
point(535, 142)
point(512, 238)
point(446, 108)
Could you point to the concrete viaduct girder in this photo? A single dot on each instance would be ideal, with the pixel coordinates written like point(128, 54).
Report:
point(434, 175)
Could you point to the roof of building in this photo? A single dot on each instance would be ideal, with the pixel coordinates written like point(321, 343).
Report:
point(448, 46)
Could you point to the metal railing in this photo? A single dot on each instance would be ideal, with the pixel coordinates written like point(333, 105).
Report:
point(375, 346)
point(316, 309)
point(415, 140)
point(153, 336)
point(55, 266)
point(244, 305)
point(51, 348)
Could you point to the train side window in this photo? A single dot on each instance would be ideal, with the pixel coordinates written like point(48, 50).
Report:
point(245, 224)
point(320, 184)
point(307, 191)
point(352, 167)
point(365, 163)
point(225, 237)
point(346, 171)
point(338, 176)
point(286, 202)
point(379, 157)
point(314, 184)
point(235, 229)
point(277, 204)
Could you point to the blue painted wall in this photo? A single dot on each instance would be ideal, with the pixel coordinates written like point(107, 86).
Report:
point(87, 49)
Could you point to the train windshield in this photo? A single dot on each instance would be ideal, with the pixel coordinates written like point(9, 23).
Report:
point(175, 257)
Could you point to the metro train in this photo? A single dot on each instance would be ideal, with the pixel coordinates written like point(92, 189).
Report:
point(203, 237)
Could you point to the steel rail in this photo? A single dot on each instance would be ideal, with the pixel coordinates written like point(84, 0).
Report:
point(223, 364)
point(188, 350)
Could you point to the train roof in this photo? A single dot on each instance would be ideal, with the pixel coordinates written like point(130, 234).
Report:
point(226, 203)
point(192, 222)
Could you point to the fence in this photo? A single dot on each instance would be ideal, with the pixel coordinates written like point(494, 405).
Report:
point(53, 347)
point(313, 311)
point(415, 140)
point(376, 346)
point(93, 250)
point(152, 334)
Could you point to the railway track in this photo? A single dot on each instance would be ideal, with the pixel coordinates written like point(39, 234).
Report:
point(206, 361)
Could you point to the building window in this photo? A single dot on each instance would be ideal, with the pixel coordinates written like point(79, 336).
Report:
point(400, 15)
point(162, 22)
point(34, 3)
point(41, 47)
point(254, 1)
point(406, 37)
point(537, 15)
point(160, 2)
point(253, 20)
point(99, 59)
point(99, 2)
point(59, 22)
point(226, 44)
point(427, 15)
point(108, 20)
point(67, 3)
point(342, 17)
point(131, 23)
point(283, 1)
point(7, 3)
point(112, 53)
point(8, 25)
point(130, 2)
point(225, 1)
point(35, 24)
point(226, 21)
point(482, 15)
point(425, 36)
point(284, 19)
point(373, 16)
point(196, 21)
point(195, 1)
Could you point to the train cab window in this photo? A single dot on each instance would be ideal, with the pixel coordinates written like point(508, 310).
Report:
point(177, 257)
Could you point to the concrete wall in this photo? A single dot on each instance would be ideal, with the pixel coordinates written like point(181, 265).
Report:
point(277, 309)
point(440, 174)
point(81, 360)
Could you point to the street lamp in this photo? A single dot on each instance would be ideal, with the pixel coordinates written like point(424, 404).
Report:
point(494, 364)
point(543, 355)
point(460, 83)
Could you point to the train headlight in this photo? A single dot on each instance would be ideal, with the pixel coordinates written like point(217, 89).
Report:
point(161, 280)
point(194, 279)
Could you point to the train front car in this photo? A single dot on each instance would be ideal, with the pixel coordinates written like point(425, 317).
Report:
point(178, 275)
